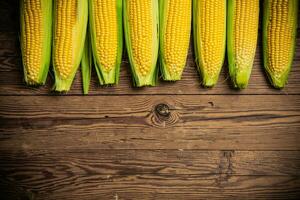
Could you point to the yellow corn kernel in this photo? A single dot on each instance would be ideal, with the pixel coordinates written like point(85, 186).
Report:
point(175, 36)
point(66, 18)
point(280, 22)
point(141, 24)
point(210, 38)
point(105, 20)
point(242, 26)
point(70, 28)
point(279, 36)
point(105, 15)
point(33, 38)
point(245, 34)
point(212, 31)
point(36, 39)
point(141, 33)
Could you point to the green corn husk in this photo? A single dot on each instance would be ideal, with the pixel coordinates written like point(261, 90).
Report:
point(86, 65)
point(240, 60)
point(78, 32)
point(172, 66)
point(209, 74)
point(36, 75)
point(285, 40)
point(107, 77)
point(141, 75)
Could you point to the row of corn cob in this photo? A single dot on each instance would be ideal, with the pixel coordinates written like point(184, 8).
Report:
point(154, 29)
point(241, 27)
point(69, 41)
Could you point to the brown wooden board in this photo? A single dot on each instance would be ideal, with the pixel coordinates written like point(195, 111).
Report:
point(156, 187)
point(160, 162)
point(177, 141)
point(155, 122)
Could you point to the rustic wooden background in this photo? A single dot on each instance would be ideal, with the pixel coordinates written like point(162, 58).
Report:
point(175, 141)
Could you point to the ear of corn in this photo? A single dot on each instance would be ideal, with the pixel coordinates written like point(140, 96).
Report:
point(107, 38)
point(242, 26)
point(175, 28)
point(86, 65)
point(141, 24)
point(70, 24)
point(279, 35)
point(209, 19)
point(36, 32)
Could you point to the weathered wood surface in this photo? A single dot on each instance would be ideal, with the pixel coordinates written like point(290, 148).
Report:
point(160, 162)
point(124, 122)
point(158, 187)
point(176, 141)
point(151, 174)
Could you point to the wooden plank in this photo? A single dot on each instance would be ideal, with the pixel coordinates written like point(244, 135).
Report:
point(160, 162)
point(9, 20)
point(209, 195)
point(45, 186)
point(255, 122)
point(11, 78)
point(9, 44)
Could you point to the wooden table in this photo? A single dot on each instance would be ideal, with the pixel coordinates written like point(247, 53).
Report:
point(174, 141)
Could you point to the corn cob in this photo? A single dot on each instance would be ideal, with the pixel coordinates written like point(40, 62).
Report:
point(279, 35)
point(86, 65)
point(209, 19)
point(242, 27)
point(141, 24)
point(107, 38)
point(175, 28)
point(36, 32)
point(70, 24)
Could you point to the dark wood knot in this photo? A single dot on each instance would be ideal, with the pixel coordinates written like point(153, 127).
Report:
point(163, 115)
point(162, 110)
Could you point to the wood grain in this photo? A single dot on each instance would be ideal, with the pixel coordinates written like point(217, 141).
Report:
point(9, 44)
point(135, 122)
point(20, 162)
point(157, 186)
point(177, 141)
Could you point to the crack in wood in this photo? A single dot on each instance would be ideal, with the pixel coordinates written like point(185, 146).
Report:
point(225, 167)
